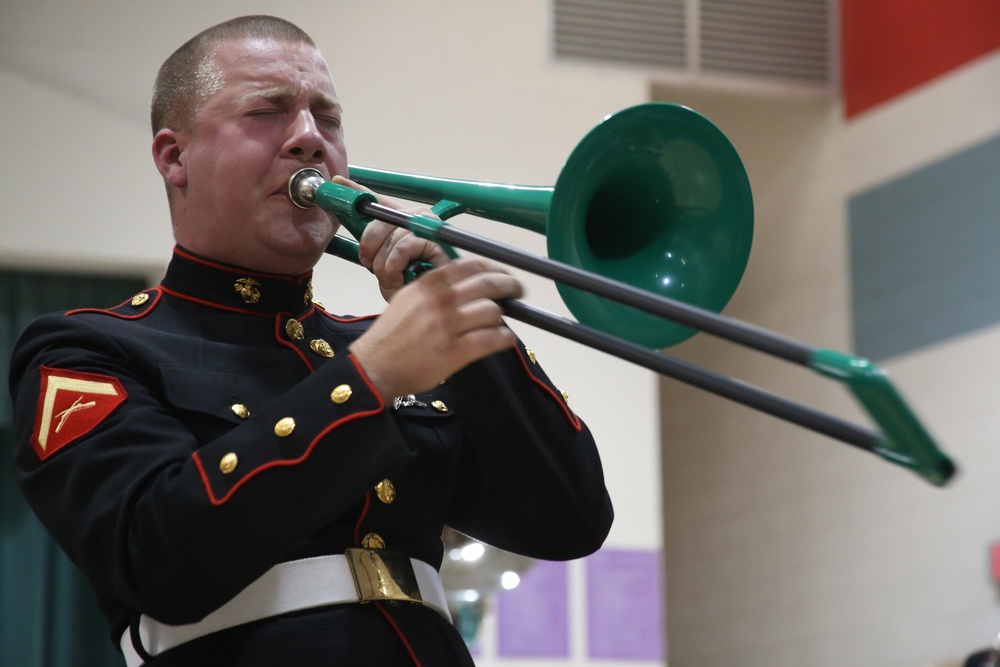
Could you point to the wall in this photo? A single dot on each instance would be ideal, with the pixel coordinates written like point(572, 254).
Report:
point(79, 189)
point(784, 547)
point(891, 47)
point(448, 88)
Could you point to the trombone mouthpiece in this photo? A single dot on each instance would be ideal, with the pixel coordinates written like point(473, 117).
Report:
point(302, 187)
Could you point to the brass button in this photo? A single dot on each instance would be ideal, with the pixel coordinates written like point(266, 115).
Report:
point(294, 329)
point(140, 299)
point(386, 491)
point(284, 427)
point(341, 394)
point(228, 463)
point(240, 410)
point(564, 395)
point(531, 355)
point(373, 541)
point(321, 347)
point(439, 406)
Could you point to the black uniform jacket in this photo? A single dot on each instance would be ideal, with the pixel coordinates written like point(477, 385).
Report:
point(179, 445)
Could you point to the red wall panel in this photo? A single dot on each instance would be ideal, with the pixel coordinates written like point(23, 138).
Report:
point(892, 46)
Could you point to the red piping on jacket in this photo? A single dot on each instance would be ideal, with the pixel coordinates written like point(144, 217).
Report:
point(399, 633)
point(361, 518)
point(238, 269)
point(111, 311)
point(290, 462)
point(281, 341)
point(573, 419)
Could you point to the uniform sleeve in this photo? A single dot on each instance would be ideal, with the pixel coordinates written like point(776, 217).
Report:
point(532, 480)
point(158, 522)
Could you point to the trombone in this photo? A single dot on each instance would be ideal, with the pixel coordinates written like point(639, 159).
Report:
point(648, 231)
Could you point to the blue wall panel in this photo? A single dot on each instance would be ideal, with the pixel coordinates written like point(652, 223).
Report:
point(925, 254)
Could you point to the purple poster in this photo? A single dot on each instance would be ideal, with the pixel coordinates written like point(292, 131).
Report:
point(625, 605)
point(533, 619)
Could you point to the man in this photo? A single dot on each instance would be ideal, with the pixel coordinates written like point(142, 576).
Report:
point(247, 479)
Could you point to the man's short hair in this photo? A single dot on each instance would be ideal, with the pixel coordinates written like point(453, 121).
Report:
point(189, 75)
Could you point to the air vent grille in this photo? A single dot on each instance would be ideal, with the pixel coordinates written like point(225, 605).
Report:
point(640, 32)
point(779, 41)
point(782, 39)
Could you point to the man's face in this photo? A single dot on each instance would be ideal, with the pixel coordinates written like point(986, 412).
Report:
point(275, 112)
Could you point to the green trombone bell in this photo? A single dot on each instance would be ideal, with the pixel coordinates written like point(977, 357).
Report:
point(655, 196)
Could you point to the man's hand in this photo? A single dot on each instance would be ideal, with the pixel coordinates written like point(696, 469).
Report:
point(436, 326)
point(387, 250)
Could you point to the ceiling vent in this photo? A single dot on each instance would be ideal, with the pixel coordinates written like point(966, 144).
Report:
point(784, 43)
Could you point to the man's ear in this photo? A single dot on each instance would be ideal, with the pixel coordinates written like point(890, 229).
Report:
point(168, 154)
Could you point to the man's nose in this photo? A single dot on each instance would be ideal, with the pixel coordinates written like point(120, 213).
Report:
point(304, 139)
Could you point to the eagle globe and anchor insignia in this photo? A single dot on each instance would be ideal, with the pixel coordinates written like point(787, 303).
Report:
point(247, 289)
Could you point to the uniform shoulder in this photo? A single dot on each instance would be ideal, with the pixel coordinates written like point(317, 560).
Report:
point(346, 324)
point(343, 319)
point(136, 307)
point(84, 325)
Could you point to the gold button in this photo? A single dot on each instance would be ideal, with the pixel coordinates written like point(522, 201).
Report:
point(564, 395)
point(341, 394)
point(439, 406)
point(294, 329)
point(321, 347)
point(284, 427)
point(241, 410)
point(385, 491)
point(373, 541)
point(531, 355)
point(228, 463)
point(140, 299)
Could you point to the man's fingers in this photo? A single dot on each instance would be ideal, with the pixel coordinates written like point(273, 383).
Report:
point(451, 314)
point(491, 285)
point(480, 314)
point(483, 342)
point(402, 249)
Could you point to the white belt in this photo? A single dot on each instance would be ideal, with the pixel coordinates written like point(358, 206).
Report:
point(360, 576)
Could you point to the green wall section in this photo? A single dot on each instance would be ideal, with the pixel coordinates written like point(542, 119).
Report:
point(925, 254)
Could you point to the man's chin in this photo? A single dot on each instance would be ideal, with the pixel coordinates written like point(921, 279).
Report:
point(300, 253)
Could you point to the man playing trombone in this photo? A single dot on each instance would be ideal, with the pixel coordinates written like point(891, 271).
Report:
point(247, 479)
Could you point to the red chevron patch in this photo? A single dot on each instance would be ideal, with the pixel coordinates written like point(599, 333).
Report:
point(70, 405)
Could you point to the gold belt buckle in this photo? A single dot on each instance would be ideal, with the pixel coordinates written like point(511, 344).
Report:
point(382, 574)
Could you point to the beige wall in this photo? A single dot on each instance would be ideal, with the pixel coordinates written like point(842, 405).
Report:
point(784, 547)
point(78, 188)
point(450, 88)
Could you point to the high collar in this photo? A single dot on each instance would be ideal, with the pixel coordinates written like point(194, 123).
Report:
point(230, 287)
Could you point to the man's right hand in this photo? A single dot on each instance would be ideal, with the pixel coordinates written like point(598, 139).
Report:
point(436, 326)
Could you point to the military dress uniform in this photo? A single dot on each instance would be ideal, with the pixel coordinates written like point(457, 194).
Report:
point(196, 447)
